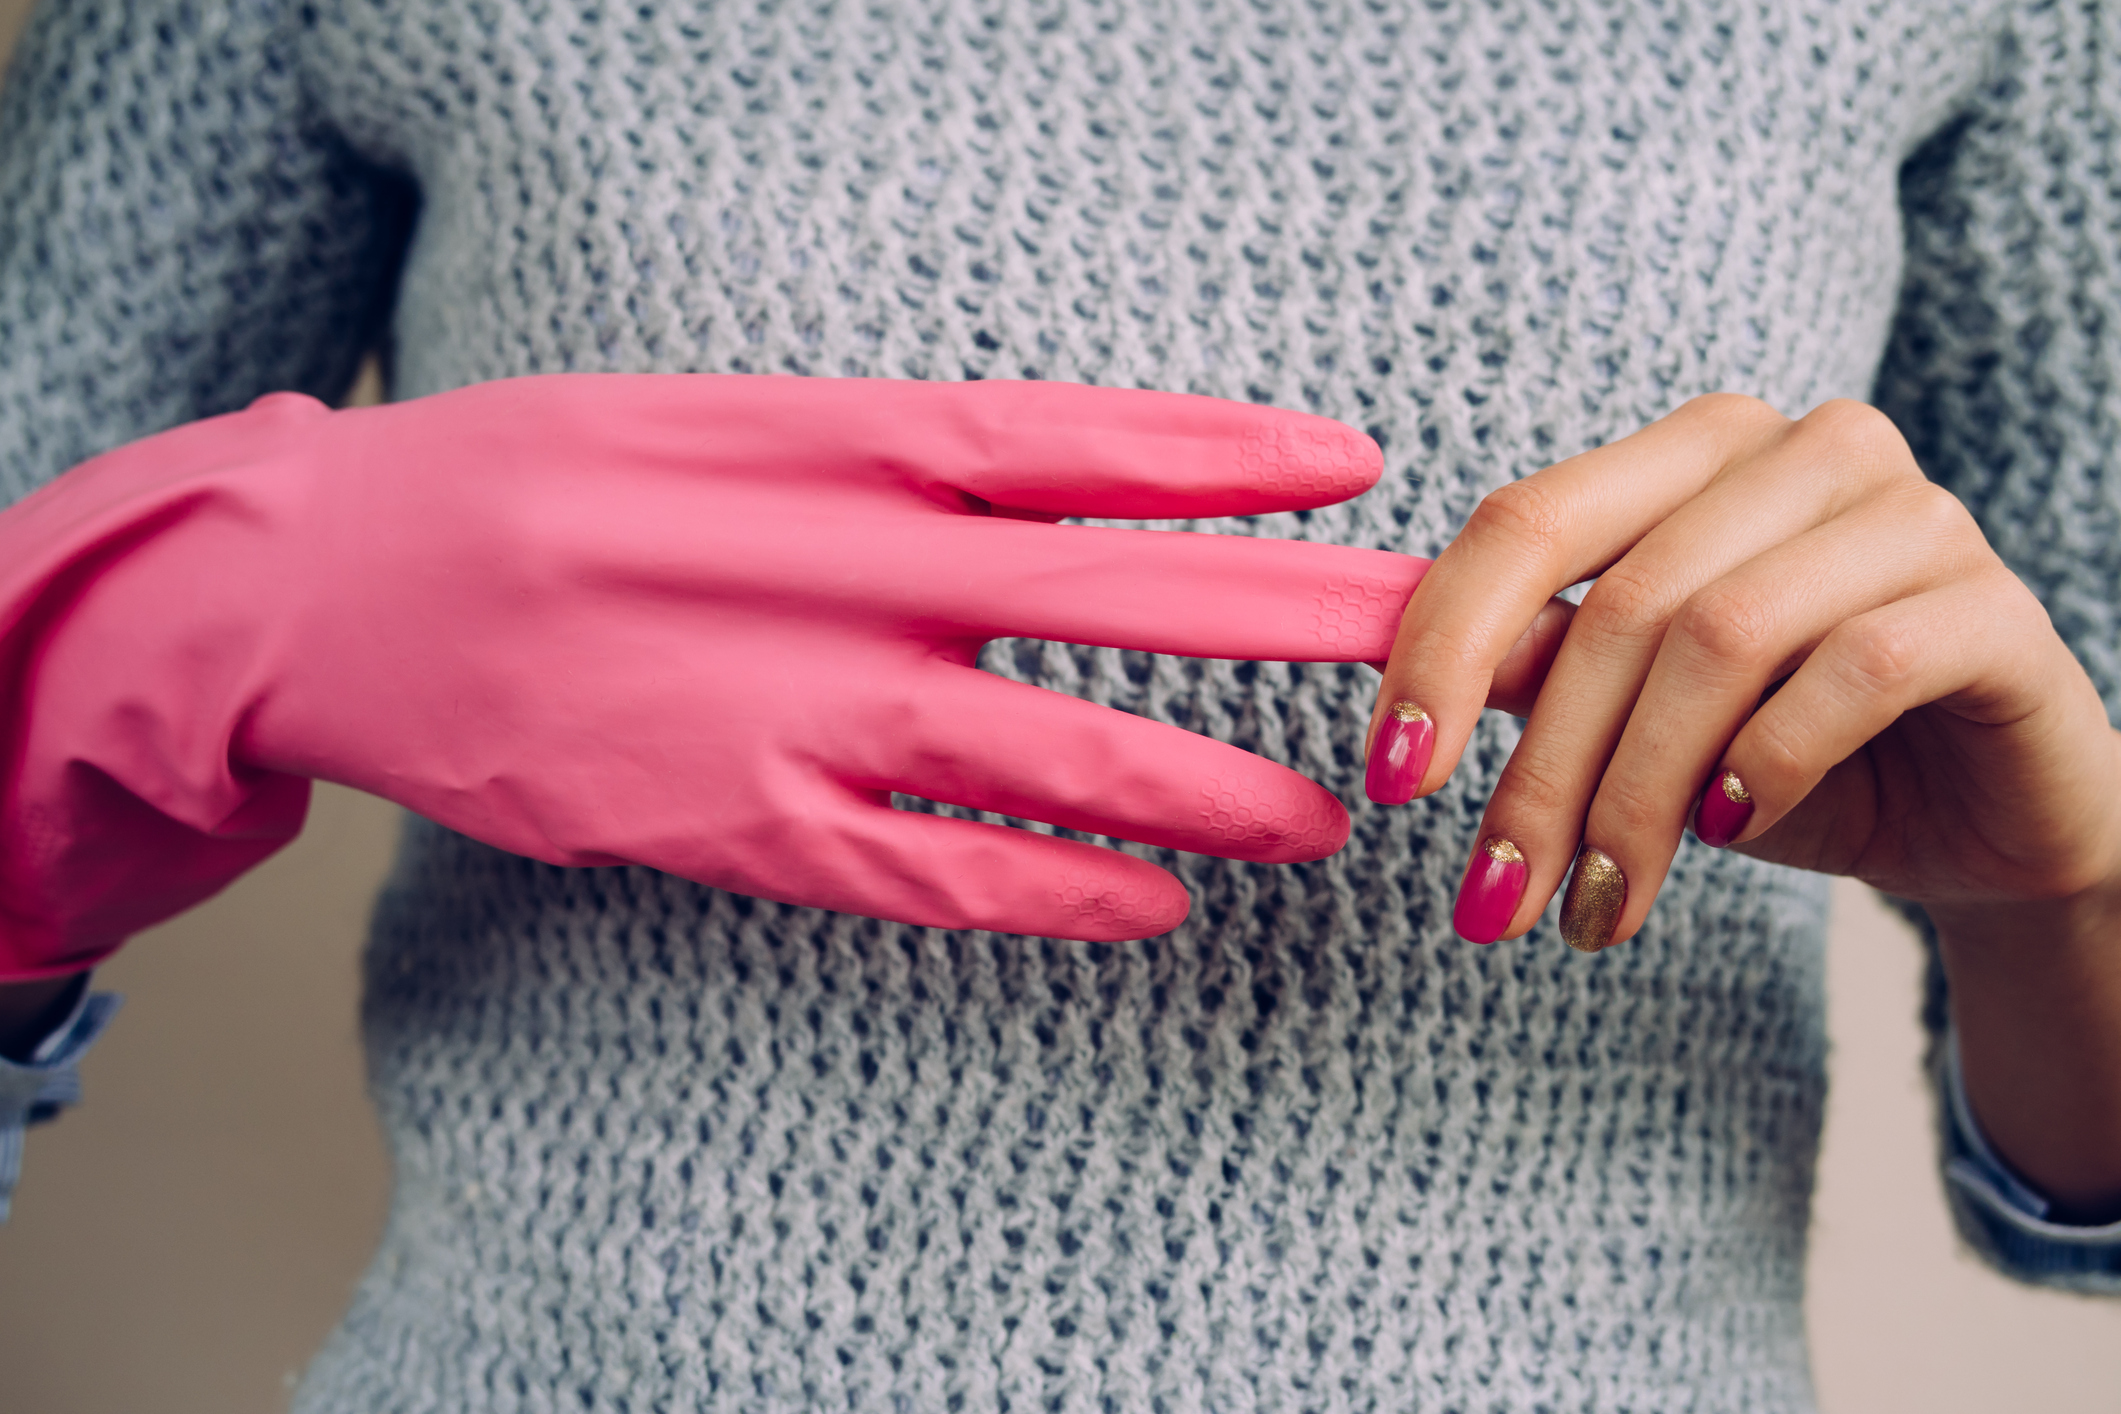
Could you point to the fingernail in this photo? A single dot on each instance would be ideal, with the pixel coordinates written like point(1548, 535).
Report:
point(1591, 908)
point(1725, 807)
point(1493, 888)
point(1401, 755)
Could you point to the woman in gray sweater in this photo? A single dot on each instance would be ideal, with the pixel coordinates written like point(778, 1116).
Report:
point(661, 1147)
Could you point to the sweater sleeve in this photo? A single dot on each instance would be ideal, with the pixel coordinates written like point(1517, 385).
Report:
point(180, 231)
point(2004, 372)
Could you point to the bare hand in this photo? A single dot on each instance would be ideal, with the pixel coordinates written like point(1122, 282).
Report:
point(1792, 631)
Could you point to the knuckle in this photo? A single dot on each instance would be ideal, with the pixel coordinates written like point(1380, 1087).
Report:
point(1527, 515)
point(1935, 513)
point(1450, 649)
point(1726, 625)
point(1735, 412)
point(1451, 652)
point(1776, 749)
point(1880, 656)
point(1628, 602)
point(1860, 433)
point(2020, 604)
point(1625, 810)
point(1538, 791)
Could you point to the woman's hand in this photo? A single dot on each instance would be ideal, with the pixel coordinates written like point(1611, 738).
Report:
point(1808, 651)
point(1796, 642)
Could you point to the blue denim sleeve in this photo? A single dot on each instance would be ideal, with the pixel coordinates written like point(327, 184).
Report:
point(2005, 1219)
point(34, 1090)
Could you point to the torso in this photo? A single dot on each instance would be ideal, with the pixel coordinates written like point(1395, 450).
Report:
point(1310, 1151)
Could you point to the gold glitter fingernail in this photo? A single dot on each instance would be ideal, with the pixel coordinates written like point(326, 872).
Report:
point(1591, 908)
point(1405, 711)
point(1734, 789)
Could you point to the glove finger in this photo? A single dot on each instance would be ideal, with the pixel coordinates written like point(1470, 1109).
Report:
point(974, 578)
point(1043, 448)
point(1124, 453)
point(970, 738)
point(1014, 881)
point(1201, 596)
point(934, 871)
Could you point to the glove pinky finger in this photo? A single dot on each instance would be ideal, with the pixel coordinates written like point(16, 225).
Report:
point(937, 871)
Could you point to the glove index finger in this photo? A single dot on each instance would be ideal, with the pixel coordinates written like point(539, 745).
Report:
point(1063, 449)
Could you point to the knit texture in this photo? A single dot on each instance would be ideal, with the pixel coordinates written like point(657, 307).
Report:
point(664, 1148)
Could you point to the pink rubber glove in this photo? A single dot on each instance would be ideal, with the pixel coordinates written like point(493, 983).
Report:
point(702, 623)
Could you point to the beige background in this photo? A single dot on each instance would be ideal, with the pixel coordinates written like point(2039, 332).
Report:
point(183, 1243)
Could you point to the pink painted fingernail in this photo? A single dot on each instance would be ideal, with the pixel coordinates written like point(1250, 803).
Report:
point(1493, 888)
point(1401, 755)
point(1725, 807)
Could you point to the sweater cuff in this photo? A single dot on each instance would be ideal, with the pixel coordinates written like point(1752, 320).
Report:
point(35, 1090)
point(2006, 1218)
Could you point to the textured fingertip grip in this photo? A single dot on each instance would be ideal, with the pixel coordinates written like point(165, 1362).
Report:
point(1313, 462)
point(1099, 907)
point(1268, 826)
point(1358, 618)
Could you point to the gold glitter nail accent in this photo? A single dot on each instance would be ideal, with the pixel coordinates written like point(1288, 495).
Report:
point(1734, 789)
point(1503, 852)
point(1591, 908)
point(1407, 712)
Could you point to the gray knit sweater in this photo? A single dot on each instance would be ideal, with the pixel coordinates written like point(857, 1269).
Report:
point(663, 1148)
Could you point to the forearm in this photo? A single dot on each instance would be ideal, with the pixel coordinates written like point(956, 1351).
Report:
point(2036, 1008)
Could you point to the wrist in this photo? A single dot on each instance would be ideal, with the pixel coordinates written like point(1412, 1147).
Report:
point(2089, 916)
point(140, 594)
point(2036, 1011)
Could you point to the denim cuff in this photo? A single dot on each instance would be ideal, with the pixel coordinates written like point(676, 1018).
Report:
point(35, 1090)
point(2006, 1219)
